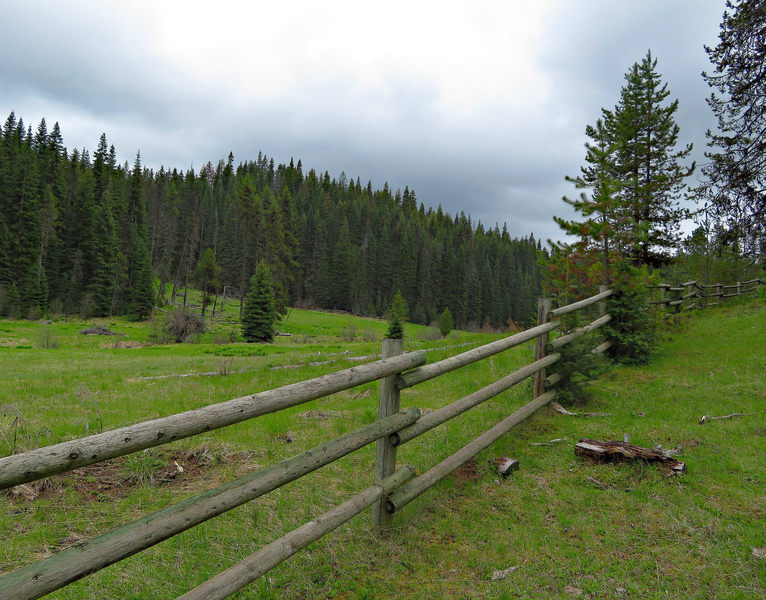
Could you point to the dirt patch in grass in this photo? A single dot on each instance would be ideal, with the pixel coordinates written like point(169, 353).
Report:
point(116, 478)
point(468, 471)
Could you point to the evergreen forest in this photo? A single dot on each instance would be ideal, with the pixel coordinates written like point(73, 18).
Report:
point(82, 234)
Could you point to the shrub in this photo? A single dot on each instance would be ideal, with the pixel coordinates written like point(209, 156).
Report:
point(178, 325)
point(446, 324)
point(431, 334)
point(181, 325)
point(348, 333)
point(633, 328)
point(46, 338)
point(577, 364)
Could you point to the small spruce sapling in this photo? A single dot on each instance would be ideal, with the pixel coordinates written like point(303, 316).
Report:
point(446, 323)
point(259, 315)
point(577, 365)
point(633, 328)
point(396, 317)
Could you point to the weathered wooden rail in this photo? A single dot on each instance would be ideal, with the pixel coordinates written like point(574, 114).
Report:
point(693, 295)
point(391, 490)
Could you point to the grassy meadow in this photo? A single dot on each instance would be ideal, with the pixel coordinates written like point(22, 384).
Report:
point(572, 528)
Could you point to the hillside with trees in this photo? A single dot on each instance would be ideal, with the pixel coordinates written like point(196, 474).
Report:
point(82, 234)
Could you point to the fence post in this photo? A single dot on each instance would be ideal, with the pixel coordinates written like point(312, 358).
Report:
point(385, 451)
point(543, 308)
point(664, 297)
point(602, 305)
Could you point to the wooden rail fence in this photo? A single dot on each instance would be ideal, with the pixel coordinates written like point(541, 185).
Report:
point(693, 295)
point(392, 488)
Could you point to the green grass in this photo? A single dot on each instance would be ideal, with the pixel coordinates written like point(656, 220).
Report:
point(610, 531)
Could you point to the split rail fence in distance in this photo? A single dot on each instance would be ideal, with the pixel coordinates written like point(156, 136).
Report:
point(692, 295)
point(391, 490)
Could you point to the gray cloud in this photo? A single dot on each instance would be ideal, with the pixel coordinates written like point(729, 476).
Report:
point(93, 70)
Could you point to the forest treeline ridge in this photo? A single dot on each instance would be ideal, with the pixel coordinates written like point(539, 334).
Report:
point(84, 234)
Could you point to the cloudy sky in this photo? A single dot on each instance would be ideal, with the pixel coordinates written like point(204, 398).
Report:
point(478, 106)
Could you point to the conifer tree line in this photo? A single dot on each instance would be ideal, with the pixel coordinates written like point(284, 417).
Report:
point(82, 234)
point(73, 230)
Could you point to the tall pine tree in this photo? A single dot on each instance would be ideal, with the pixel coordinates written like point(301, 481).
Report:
point(648, 164)
point(139, 299)
point(635, 178)
point(736, 173)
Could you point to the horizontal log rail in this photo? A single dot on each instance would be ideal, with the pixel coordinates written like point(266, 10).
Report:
point(57, 458)
point(441, 367)
point(555, 378)
point(446, 413)
point(408, 492)
point(69, 565)
point(551, 380)
point(603, 347)
point(559, 342)
point(248, 570)
point(578, 305)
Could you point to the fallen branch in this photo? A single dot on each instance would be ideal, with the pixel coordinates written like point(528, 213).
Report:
point(204, 374)
point(560, 409)
point(500, 575)
point(705, 418)
point(619, 451)
point(550, 443)
point(596, 482)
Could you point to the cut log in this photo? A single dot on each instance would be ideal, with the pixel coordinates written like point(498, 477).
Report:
point(504, 465)
point(615, 451)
